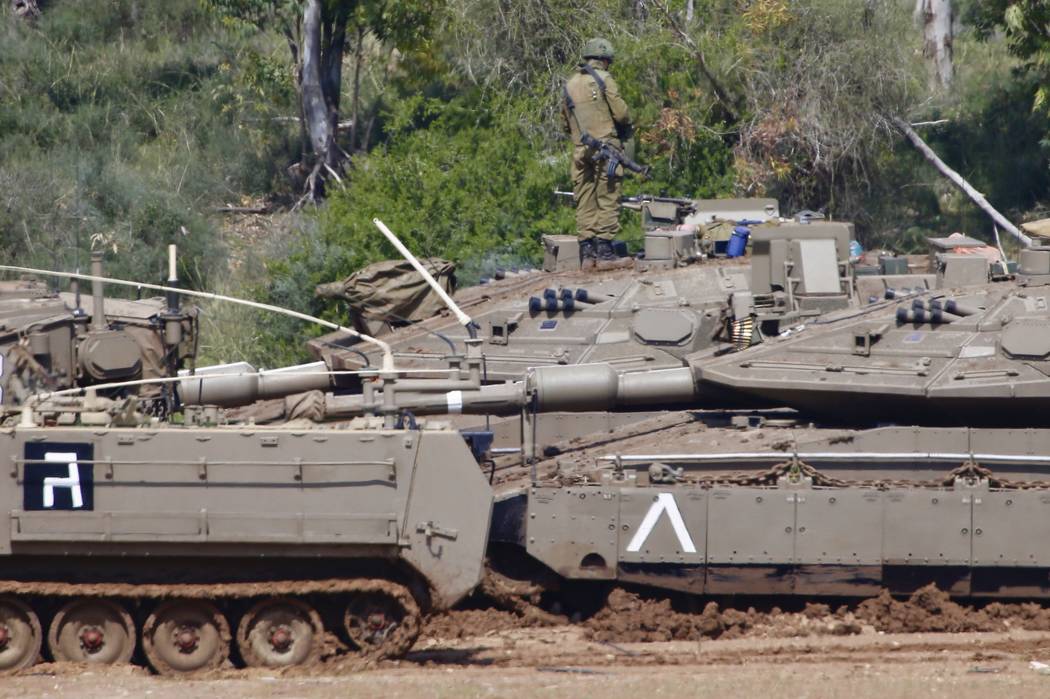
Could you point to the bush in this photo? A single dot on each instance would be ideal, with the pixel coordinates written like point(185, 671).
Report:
point(117, 130)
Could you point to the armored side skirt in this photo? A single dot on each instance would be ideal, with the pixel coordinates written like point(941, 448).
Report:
point(969, 539)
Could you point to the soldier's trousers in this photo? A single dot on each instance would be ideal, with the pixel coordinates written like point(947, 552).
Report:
point(597, 195)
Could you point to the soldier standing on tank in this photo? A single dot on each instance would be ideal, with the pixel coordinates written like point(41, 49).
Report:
point(592, 105)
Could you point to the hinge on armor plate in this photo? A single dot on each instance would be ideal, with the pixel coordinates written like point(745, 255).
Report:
point(430, 530)
point(795, 482)
point(621, 477)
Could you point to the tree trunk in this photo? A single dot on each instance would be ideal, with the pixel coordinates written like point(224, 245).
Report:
point(321, 79)
point(324, 38)
point(958, 181)
point(293, 34)
point(936, 18)
point(332, 78)
point(315, 109)
point(356, 106)
point(689, 11)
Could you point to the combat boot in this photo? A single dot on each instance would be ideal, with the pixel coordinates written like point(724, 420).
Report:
point(605, 251)
point(588, 251)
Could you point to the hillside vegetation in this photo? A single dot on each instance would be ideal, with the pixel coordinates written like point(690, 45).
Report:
point(128, 124)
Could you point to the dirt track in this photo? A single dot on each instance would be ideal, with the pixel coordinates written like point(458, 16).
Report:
point(880, 648)
point(560, 661)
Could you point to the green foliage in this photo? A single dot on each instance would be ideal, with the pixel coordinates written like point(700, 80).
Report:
point(404, 22)
point(121, 124)
point(987, 130)
point(823, 79)
point(125, 123)
point(467, 171)
point(443, 189)
point(1025, 23)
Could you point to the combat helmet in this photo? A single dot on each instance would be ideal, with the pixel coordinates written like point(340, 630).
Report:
point(598, 48)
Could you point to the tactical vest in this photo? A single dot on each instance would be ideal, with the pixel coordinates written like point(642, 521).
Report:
point(589, 105)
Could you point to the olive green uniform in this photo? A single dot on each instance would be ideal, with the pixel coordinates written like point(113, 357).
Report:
point(602, 116)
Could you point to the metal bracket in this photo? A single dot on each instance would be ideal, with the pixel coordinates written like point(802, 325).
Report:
point(500, 330)
point(430, 530)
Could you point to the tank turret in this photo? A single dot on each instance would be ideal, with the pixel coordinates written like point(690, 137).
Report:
point(53, 341)
point(973, 356)
point(643, 320)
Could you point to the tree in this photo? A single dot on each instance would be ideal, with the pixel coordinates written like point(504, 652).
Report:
point(820, 79)
point(936, 19)
point(1026, 24)
point(317, 33)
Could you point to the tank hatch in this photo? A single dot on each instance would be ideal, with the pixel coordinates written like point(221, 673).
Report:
point(663, 327)
point(1027, 337)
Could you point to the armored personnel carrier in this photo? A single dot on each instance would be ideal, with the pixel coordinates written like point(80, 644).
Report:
point(51, 341)
point(175, 539)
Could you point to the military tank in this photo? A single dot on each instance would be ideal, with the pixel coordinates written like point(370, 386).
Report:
point(175, 539)
point(929, 462)
point(906, 446)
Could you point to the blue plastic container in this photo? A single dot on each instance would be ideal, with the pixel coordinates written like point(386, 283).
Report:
point(738, 242)
point(855, 250)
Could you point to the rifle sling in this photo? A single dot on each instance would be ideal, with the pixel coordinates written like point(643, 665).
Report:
point(605, 151)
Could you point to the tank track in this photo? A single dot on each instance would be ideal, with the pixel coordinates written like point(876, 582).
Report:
point(191, 628)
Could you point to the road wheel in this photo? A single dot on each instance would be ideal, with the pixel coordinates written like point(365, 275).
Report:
point(186, 636)
point(20, 635)
point(280, 632)
point(382, 620)
point(92, 631)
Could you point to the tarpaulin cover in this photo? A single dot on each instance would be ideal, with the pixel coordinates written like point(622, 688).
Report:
point(393, 290)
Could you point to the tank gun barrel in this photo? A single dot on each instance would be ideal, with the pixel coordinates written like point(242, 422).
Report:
point(239, 383)
point(600, 387)
point(577, 388)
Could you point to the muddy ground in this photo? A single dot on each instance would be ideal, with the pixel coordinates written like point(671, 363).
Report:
point(562, 662)
point(925, 646)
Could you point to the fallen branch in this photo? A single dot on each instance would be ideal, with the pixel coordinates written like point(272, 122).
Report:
point(341, 125)
point(957, 179)
point(242, 209)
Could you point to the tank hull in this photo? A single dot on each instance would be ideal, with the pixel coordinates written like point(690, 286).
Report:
point(843, 516)
point(219, 529)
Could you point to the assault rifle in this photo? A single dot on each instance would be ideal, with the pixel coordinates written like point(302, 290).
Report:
point(612, 156)
point(637, 201)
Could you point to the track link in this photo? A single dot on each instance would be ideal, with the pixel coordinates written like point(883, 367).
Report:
point(185, 629)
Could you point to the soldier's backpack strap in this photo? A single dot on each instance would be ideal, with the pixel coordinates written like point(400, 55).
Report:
point(586, 68)
point(571, 106)
point(621, 133)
